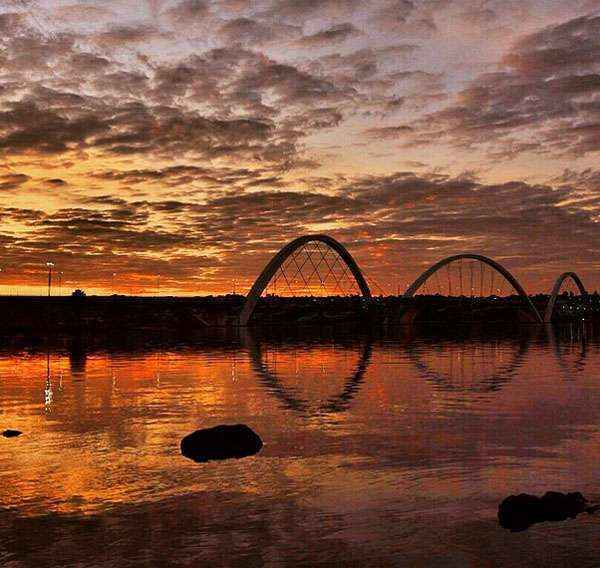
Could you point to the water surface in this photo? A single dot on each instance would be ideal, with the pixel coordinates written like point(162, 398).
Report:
point(386, 450)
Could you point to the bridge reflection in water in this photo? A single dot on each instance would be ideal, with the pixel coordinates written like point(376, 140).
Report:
point(274, 365)
point(469, 367)
point(322, 373)
point(358, 430)
point(485, 364)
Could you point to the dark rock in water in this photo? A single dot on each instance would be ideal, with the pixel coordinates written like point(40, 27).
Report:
point(221, 443)
point(519, 512)
point(11, 433)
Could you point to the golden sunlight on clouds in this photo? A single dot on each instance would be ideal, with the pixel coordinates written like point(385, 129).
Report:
point(192, 140)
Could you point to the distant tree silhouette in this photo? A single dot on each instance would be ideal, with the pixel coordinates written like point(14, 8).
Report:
point(78, 294)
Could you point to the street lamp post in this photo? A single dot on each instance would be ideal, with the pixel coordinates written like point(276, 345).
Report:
point(60, 274)
point(49, 265)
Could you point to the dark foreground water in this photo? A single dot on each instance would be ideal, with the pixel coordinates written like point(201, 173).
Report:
point(378, 451)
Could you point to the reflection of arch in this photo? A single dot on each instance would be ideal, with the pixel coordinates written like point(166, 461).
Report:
point(412, 289)
point(556, 290)
point(338, 403)
point(555, 342)
point(277, 261)
point(491, 383)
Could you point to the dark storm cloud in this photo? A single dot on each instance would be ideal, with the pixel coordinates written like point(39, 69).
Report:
point(549, 93)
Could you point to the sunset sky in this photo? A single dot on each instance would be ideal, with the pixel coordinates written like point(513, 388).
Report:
point(193, 139)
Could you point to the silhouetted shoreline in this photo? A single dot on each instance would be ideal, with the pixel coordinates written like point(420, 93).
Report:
point(91, 316)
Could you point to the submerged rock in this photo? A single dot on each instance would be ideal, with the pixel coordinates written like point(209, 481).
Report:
point(519, 512)
point(221, 443)
point(11, 433)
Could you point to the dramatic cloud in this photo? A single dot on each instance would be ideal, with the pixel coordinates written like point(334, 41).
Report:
point(193, 138)
point(548, 97)
point(416, 219)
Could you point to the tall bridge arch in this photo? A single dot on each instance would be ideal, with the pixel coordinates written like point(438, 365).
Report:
point(556, 289)
point(414, 287)
point(277, 261)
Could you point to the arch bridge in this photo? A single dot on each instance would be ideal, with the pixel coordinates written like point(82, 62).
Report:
point(422, 279)
point(286, 253)
point(556, 290)
point(344, 259)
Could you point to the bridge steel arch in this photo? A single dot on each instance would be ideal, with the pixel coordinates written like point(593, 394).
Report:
point(412, 289)
point(556, 289)
point(277, 261)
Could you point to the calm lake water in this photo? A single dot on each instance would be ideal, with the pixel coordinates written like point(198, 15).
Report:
point(389, 450)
